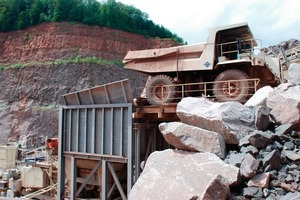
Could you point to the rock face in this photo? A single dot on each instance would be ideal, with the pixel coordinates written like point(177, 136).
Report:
point(30, 96)
point(174, 174)
point(232, 120)
point(190, 138)
point(50, 41)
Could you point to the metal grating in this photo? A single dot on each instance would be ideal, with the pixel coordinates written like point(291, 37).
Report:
point(96, 124)
point(98, 129)
point(115, 92)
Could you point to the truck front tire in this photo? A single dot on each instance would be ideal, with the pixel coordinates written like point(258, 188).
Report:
point(160, 89)
point(232, 90)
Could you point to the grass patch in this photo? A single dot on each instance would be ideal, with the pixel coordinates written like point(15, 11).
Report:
point(77, 59)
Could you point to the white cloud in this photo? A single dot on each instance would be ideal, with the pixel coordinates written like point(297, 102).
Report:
point(272, 21)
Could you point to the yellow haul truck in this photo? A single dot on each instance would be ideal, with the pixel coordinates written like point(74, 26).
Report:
point(226, 67)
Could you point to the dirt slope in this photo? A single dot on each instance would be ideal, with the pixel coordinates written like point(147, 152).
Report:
point(52, 41)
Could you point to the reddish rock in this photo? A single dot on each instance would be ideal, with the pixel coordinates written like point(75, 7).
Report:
point(294, 73)
point(249, 166)
point(259, 97)
point(51, 41)
point(217, 189)
point(285, 103)
point(174, 174)
point(191, 138)
point(232, 120)
point(260, 180)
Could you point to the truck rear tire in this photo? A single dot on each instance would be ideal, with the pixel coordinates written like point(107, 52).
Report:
point(233, 90)
point(160, 89)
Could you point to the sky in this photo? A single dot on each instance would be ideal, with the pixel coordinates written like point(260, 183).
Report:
point(271, 21)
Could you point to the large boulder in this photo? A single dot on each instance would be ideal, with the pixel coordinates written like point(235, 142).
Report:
point(191, 138)
point(230, 119)
point(259, 97)
point(176, 174)
point(285, 103)
point(294, 73)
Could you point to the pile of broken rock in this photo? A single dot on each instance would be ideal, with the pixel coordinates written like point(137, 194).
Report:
point(229, 150)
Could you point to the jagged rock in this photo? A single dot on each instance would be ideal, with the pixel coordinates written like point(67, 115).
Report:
point(289, 179)
point(262, 118)
point(251, 192)
point(175, 174)
point(249, 166)
point(281, 176)
point(291, 155)
point(289, 145)
point(259, 97)
point(249, 149)
point(274, 183)
point(291, 196)
point(272, 161)
point(285, 103)
point(277, 145)
point(258, 139)
point(218, 188)
point(283, 129)
point(235, 159)
point(287, 187)
point(280, 191)
point(295, 134)
point(297, 142)
point(230, 119)
point(191, 138)
point(266, 192)
point(260, 180)
point(294, 73)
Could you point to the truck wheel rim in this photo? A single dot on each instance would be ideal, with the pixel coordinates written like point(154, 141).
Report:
point(231, 89)
point(160, 91)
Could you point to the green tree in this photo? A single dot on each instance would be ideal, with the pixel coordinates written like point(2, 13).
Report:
point(35, 12)
point(91, 12)
point(18, 14)
point(77, 11)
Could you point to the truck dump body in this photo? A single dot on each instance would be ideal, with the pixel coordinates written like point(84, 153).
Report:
point(165, 59)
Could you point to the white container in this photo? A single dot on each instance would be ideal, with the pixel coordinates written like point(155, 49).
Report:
point(15, 185)
point(33, 177)
point(10, 194)
point(7, 157)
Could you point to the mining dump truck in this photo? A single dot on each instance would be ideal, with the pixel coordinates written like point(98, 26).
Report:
point(228, 67)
